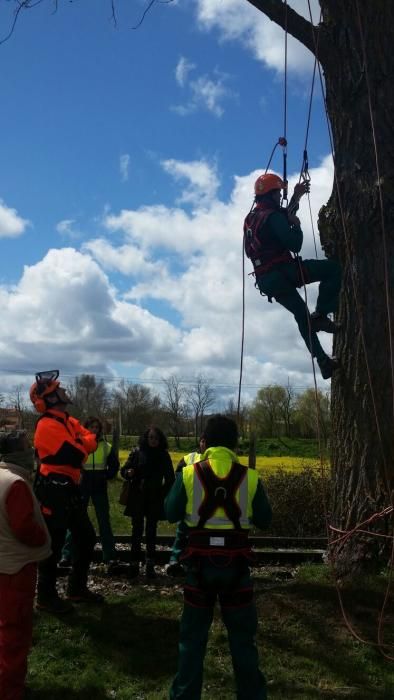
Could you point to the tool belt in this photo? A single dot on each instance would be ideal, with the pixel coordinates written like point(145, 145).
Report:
point(59, 498)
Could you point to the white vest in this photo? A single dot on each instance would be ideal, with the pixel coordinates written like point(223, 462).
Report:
point(14, 555)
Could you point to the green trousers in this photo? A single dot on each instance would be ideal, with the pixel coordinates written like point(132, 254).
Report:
point(99, 497)
point(282, 281)
point(239, 615)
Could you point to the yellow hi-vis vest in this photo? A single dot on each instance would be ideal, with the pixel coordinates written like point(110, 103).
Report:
point(192, 458)
point(220, 460)
point(97, 461)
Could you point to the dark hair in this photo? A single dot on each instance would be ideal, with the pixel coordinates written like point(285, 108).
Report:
point(221, 430)
point(13, 441)
point(92, 419)
point(266, 198)
point(162, 444)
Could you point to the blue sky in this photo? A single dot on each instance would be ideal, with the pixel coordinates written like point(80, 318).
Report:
point(128, 160)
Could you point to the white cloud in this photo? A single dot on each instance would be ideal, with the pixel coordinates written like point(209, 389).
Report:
point(207, 292)
point(209, 93)
point(127, 259)
point(242, 22)
point(11, 224)
point(66, 228)
point(182, 70)
point(206, 92)
point(202, 178)
point(65, 311)
point(124, 164)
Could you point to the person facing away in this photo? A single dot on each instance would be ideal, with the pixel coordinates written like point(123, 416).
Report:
point(100, 467)
point(62, 446)
point(271, 236)
point(219, 499)
point(150, 474)
point(175, 566)
point(24, 541)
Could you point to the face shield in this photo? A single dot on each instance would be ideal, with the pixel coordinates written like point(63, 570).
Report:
point(45, 379)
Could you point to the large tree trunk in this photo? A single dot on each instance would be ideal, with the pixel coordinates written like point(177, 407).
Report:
point(362, 390)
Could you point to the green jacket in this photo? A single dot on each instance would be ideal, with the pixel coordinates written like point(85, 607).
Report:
point(289, 235)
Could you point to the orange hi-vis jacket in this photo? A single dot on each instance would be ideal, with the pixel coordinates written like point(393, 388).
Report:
point(62, 444)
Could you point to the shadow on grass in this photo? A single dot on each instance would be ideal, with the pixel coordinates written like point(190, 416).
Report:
point(140, 643)
point(307, 630)
point(67, 694)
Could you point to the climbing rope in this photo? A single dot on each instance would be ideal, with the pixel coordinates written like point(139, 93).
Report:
point(282, 141)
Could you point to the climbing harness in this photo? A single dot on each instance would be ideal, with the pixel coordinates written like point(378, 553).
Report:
point(220, 492)
point(223, 545)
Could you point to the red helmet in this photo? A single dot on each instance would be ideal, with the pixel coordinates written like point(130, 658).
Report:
point(46, 383)
point(266, 183)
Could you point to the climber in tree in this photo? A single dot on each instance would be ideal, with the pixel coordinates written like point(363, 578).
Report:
point(273, 239)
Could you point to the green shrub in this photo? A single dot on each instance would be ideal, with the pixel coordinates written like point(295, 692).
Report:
point(297, 503)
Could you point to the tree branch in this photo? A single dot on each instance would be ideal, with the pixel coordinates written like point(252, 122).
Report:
point(297, 26)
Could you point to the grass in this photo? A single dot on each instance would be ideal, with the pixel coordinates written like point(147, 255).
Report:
point(128, 649)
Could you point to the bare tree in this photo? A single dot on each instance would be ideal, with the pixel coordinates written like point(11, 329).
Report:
point(174, 401)
point(90, 396)
point(18, 402)
point(135, 407)
point(287, 408)
point(201, 397)
point(242, 417)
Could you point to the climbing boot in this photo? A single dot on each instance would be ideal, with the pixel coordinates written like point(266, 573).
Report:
point(175, 569)
point(54, 604)
point(65, 563)
point(115, 567)
point(150, 569)
point(319, 322)
point(328, 365)
point(84, 595)
point(133, 570)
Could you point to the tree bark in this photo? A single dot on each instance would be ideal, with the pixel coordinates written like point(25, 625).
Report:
point(355, 61)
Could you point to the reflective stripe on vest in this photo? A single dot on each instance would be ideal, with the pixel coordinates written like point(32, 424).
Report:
point(97, 461)
point(216, 521)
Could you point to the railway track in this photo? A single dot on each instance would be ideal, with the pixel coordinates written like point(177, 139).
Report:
point(281, 551)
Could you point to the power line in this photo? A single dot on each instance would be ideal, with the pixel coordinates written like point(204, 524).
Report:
point(110, 379)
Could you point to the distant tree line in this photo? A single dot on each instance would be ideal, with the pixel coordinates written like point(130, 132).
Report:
point(280, 411)
point(180, 410)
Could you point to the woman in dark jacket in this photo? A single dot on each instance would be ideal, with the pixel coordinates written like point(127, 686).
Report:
point(150, 474)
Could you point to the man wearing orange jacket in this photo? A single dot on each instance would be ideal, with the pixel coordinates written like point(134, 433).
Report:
point(62, 446)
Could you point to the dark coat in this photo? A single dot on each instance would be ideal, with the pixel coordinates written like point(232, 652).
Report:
point(152, 480)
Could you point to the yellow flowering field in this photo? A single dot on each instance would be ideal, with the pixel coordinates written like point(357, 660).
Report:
point(265, 465)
